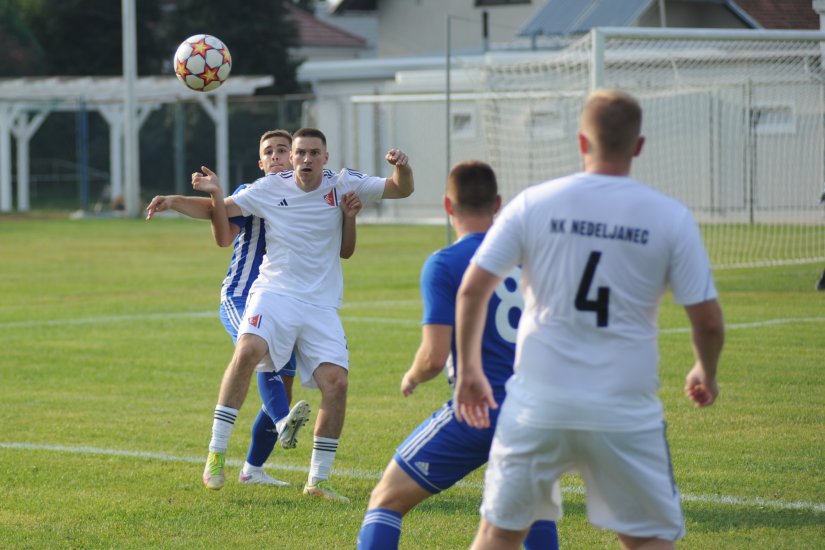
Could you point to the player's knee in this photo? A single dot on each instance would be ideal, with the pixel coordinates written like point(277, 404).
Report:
point(249, 352)
point(378, 496)
point(337, 387)
point(332, 381)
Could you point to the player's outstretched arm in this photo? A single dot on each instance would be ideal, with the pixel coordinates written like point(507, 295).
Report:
point(430, 358)
point(222, 208)
point(473, 395)
point(708, 332)
point(351, 205)
point(194, 207)
point(400, 184)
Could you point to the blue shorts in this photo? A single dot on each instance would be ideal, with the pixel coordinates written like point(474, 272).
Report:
point(442, 451)
point(231, 313)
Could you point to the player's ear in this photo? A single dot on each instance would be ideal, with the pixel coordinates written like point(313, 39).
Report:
point(639, 144)
point(448, 206)
point(260, 164)
point(498, 205)
point(583, 143)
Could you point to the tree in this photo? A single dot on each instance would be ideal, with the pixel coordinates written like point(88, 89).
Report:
point(255, 32)
point(84, 37)
point(22, 53)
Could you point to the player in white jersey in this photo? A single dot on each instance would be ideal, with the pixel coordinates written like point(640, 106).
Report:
point(248, 239)
point(294, 300)
point(598, 250)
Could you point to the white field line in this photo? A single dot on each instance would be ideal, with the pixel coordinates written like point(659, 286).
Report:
point(203, 314)
point(756, 502)
point(356, 319)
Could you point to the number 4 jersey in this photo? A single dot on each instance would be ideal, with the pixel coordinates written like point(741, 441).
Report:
point(598, 253)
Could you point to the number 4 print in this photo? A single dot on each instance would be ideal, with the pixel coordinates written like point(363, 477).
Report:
point(599, 305)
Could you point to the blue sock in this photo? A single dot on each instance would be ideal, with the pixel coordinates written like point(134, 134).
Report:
point(263, 441)
point(273, 395)
point(380, 530)
point(542, 536)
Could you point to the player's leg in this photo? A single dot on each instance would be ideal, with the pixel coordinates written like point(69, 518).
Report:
point(332, 381)
point(259, 333)
point(234, 386)
point(323, 362)
point(264, 431)
point(264, 436)
point(288, 377)
point(632, 467)
point(490, 537)
point(543, 535)
point(289, 424)
point(395, 495)
point(438, 454)
point(521, 484)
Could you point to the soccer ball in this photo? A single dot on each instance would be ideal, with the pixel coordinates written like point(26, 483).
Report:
point(202, 62)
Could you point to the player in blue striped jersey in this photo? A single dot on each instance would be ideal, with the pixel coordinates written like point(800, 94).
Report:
point(249, 247)
point(442, 451)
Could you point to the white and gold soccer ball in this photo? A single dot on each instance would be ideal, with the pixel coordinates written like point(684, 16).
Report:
point(202, 62)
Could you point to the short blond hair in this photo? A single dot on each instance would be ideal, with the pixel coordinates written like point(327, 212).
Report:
point(612, 122)
point(276, 133)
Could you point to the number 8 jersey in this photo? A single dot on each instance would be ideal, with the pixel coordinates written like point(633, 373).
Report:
point(597, 253)
point(440, 278)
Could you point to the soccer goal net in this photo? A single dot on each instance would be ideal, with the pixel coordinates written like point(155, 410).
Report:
point(733, 124)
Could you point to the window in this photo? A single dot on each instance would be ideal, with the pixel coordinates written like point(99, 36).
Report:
point(463, 124)
point(545, 124)
point(774, 119)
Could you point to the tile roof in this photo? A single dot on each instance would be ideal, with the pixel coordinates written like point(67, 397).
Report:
point(782, 14)
point(312, 32)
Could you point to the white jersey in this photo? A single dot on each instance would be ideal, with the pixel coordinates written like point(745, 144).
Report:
point(597, 255)
point(303, 232)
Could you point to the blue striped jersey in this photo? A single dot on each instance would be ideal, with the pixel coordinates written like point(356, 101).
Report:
point(247, 254)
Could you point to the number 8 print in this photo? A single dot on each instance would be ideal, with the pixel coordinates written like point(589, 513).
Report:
point(508, 292)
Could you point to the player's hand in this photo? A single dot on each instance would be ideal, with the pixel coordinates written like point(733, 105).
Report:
point(473, 399)
point(160, 203)
point(700, 388)
point(351, 204)
point(408, 385)
point(206, 181)
point(397, 157)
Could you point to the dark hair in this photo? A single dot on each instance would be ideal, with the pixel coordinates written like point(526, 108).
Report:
point(276, 133)
point(311, 132)
point(472, 187)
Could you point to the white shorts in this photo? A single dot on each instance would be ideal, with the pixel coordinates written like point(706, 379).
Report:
point(627, 475)
point(285, 323)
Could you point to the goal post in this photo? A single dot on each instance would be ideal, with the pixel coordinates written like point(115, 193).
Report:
point(733, 123)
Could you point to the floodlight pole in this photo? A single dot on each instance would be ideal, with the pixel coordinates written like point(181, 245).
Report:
point(448, 148)
point(131, 187)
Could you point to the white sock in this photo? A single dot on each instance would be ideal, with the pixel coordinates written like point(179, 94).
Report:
point(249, 468)
point(222, 424)
point(323, 453)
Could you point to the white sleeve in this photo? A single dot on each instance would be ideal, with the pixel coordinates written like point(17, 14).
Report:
point(501, 249)
point(691, 279)
point(247, 201)
point(368, 188)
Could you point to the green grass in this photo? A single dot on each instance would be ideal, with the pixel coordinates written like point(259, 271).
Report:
point(112, 355)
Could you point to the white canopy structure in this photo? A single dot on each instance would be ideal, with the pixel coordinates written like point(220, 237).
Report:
point(26, 102)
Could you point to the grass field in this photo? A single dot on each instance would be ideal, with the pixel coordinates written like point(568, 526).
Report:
point(112, 353)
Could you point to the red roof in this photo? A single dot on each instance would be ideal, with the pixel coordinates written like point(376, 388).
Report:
point(312, 32)
point(782, 14)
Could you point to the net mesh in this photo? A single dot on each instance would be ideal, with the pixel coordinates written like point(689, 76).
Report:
point(733, 127)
